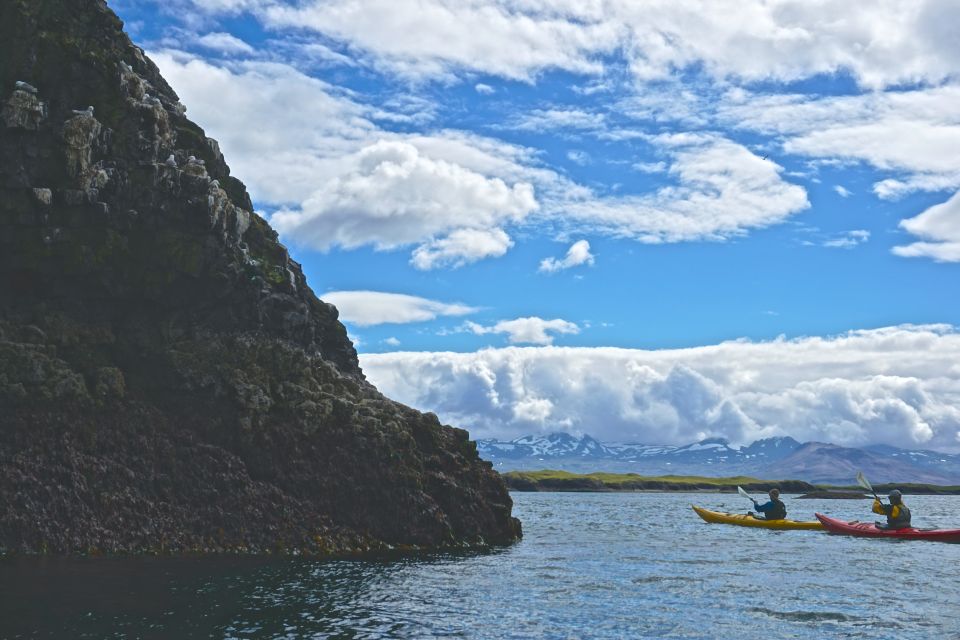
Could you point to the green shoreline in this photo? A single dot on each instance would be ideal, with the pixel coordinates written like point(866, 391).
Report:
point(552, 480)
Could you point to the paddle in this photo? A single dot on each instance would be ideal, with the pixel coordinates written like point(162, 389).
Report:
point(745, 494)
point(863, 482)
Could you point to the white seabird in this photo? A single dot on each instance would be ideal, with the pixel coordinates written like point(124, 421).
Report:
point(26, 86)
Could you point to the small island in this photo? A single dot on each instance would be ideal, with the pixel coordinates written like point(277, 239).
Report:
point(550, 480)
point(553, 480)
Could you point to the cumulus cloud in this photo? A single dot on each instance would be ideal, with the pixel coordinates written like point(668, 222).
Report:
point(939, 226)
point(484, 89)
point(912, 131)
point(284, 131)
point(896, 385)
point(461, 247)
point(577, 254)
point(392, 195)
point(526, 330)
point(336, 178)
point(842, 191)
point(368, 308)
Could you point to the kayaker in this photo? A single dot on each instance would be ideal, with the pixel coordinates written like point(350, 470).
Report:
point(898, 515)
point(772, 510)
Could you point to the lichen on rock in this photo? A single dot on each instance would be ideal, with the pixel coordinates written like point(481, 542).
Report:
point(79, 134)
point(23, 110)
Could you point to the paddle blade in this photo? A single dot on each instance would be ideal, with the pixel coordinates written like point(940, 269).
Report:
point(863, 482)
point(743, 493)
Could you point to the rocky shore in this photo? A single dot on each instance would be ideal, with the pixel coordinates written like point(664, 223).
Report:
point(168, 380)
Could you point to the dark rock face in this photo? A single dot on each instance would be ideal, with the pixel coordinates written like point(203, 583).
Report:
point(168, 381)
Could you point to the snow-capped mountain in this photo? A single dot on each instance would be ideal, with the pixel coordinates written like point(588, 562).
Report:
point(771, 458)
point(555, 445)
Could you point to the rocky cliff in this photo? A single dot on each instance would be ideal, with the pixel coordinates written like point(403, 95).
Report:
point(168, 380)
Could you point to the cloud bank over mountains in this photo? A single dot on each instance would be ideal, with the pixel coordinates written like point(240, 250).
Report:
point(895, 385)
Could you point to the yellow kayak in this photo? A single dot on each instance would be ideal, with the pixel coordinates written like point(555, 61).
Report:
point(744, 520)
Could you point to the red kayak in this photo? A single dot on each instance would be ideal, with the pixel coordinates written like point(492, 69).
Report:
point(870, 530)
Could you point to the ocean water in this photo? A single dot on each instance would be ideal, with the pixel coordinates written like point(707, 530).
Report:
point(631, 565)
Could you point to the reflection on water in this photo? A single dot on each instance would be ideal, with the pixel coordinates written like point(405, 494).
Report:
point(591, 566)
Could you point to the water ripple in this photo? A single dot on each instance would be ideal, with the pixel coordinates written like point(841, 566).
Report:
point(599, 566)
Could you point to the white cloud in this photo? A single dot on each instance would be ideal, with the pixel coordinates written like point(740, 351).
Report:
point(526, 330)
point(391, 195)
point(547, 120)
point(842, 191)
point(226, 6)
point(392, 341)
point(307, 54)
point(577, 254)
point(892, 188)
point(436, 38)
point(576, 156)
point(224, 43)
point(484, 89)
point(723, 189)
point(916, 131)
point(315, 153)
point(750, 40)
point(848, 240)
point(461, 247)
point(368, 308)
point(939, 226)
point(284, 131)
point(896, 385)
point(650, 167)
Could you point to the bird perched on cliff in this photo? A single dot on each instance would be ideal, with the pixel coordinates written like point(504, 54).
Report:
point(26, 86)
point(195, 160)
point(85, 112)
point(171, 161)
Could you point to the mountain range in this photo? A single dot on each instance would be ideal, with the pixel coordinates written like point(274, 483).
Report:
point(773, 458)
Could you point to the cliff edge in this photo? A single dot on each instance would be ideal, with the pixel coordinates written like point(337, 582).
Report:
point(168, 380)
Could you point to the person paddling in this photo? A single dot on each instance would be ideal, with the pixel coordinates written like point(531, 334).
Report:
point(772, 510)
point(898, 515)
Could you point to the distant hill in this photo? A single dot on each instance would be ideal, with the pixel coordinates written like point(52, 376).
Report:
point(815, 462)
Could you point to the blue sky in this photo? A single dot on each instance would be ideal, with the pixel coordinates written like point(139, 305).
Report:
point(482, 187)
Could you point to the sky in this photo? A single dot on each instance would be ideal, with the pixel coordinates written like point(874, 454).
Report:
point(651, 221)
